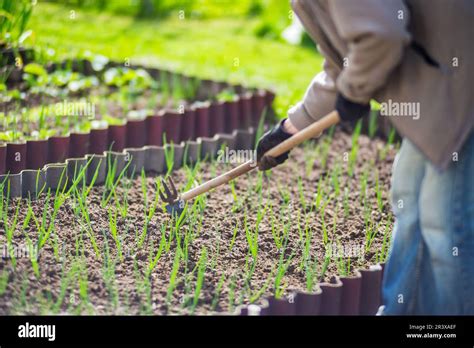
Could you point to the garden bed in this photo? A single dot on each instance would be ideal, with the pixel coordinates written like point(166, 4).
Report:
point(110, 250)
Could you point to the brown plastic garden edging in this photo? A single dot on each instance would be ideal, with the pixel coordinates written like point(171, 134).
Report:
point(150, 158)
point(355, 295)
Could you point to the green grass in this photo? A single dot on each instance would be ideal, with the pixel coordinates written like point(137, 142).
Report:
point(222, 48)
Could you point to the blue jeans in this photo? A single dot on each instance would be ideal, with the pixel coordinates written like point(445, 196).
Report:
point(430, 269)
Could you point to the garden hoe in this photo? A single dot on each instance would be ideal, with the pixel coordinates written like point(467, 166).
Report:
point(176, 202)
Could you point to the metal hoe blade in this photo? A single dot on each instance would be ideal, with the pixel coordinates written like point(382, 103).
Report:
point(169, 195)
point(175, 205)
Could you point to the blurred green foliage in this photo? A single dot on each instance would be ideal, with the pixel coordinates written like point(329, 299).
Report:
point(200, 9)
point(272, 16)
point(14, 17)
point(236, 41)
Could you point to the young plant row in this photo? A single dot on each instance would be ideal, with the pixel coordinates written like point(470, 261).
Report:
point(262, 235)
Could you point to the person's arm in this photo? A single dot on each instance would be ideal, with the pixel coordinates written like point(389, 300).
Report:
point(318, 100)
point(376, 35)
point(321, 92)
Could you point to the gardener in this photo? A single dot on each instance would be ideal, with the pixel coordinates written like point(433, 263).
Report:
point(399, 52)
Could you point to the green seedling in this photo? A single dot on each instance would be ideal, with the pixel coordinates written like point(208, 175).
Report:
point(200, 278)
point(83, 285)
point(253, 298)
point(85, 189)
point(249, 270)
point(169, 240)
point(3, 281)
point(370, 229)
point(325, 147)
point(114, 232)
point(143, 286)
point(231, 296)
point(335, 176)
point(173, 277)
point(283, 265)
point(378, 192)
point(236, 205)
point(343, 263)
point(67, 279)
point(363, 185)
point(108, 274)
point(306, 243)
point(275, 232)
point(111, 181)
point(324, 226)
point(39, 190)
point(234, 235)
point(382, 254)
point(148, 212)
point(21, 303)
point(121, 201)
point(316, 204)
point(311, 273)
point(346, 202)
point(217, 292)
point(169, 156)
point(252, 236)
point(298, 227)
point(284, 193)
point(354, 148)
point(86, 225)
point(388, 145)
point(32, 251)
point(215, 258)
point(301, 193)
point(327, 261)
point(311, 154)
point(10, 227)
point(153, 261)
point(373, 124)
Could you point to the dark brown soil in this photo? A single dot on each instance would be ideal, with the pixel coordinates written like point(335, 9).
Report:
point(74, 279)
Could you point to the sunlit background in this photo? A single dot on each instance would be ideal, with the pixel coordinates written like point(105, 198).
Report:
point(252, 42)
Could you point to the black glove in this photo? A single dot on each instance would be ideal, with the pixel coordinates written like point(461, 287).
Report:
point(350, 111)
point(268, 141)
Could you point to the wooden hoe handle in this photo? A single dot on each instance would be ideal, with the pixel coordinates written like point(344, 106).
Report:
point(309, 132)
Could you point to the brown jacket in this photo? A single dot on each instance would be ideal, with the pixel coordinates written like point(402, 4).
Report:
point(415, 57)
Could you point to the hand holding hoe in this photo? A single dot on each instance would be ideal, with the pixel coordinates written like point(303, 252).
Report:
point(176, 203)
